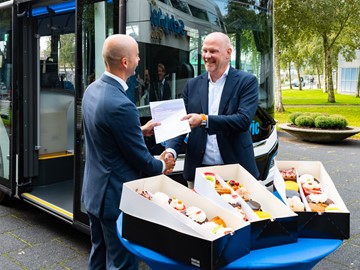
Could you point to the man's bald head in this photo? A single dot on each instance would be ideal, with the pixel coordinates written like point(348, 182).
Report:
point(221, 38)
point(119, 53)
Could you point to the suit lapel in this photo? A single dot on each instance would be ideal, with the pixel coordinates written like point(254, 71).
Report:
point(204, 93)
point(228, 90)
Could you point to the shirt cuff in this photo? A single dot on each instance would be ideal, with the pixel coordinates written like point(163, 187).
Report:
point(172, 151)
point(164, 166)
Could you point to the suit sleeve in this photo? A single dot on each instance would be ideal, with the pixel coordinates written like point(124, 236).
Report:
point(126, 128)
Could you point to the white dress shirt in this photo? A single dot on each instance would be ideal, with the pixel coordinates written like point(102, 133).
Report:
point(212, 154)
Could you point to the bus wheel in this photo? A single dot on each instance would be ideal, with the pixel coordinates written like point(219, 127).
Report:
point(4, 198)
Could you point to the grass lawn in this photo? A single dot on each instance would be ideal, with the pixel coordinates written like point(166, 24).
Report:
point(316, 101)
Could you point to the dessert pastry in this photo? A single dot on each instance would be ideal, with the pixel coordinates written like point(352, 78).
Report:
point(310, 185)
point(196, 214)
point(144, 193)
point(210, 177)
point(288, 174)
point(332, 208)
point(233, 200)
point(218, 221)
point(291, 185)
point(233, 184)
point(291, 193)
point(177, 204)
point(261, 214)
point(254, 205)
point(161, 198)
point(239, 189)
point(318, 202)
point(296, 204)
point(216, 228)
point(244, 193)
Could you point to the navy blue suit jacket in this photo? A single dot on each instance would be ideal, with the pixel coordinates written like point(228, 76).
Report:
point(115, 149)
point(237, 109)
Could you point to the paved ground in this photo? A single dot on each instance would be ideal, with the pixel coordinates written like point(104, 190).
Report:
point(31, 239)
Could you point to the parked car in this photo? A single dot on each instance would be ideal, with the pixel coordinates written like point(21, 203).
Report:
point(295, 82)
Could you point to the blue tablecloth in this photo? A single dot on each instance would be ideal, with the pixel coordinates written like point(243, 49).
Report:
point(301, 255)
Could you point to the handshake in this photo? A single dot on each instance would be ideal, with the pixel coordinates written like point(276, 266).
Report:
point(169, 160)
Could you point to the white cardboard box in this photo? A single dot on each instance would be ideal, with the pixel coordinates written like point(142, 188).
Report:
point(312, 224)
point(280, 229)
point(167, 231)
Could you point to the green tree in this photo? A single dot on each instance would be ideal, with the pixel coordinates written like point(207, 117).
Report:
point(285, 31)
point(67, 52)
point(336, 23)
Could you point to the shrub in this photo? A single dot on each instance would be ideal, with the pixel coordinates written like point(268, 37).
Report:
point(304, 121)
point(339, 121)
point(293, 116)
point(314, 115)
point(324, 122)
point(318, 120)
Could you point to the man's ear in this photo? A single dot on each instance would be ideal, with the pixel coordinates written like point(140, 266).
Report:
point(124, 62)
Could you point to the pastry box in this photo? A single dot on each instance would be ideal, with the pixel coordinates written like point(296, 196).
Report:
point(154, 224)
point(277, 229)
point(329, 223)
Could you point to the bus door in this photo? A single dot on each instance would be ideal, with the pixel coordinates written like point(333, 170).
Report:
point(46, 111)
point(6, 104)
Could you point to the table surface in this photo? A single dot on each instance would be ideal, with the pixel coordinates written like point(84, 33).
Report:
point(303, 254)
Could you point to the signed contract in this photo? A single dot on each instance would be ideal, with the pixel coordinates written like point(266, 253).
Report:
point(169, 113)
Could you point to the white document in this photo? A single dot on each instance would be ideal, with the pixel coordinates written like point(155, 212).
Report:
point(169, 113)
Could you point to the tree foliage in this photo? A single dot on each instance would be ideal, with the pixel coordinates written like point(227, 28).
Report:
point(332, 23)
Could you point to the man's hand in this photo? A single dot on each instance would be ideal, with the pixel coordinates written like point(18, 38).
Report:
point(193, 118)
point(169, 160)
point(148, 128)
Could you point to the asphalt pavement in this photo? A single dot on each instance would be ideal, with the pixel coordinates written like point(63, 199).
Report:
point(32, 239)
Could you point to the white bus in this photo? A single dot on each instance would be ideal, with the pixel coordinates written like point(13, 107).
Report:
point(50, 51)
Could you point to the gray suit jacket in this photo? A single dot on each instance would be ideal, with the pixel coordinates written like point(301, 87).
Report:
point(237, 109)
point(115, 150)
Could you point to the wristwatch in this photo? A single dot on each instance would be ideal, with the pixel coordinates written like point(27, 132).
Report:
point(203, 123)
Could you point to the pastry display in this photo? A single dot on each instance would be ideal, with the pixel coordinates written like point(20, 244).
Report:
point(229, 195)
point(316, 198)
point(216, 225)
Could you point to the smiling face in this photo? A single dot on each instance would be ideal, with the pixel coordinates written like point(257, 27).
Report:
point(216, 52)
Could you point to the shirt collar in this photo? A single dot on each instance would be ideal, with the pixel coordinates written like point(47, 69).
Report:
point(118, 79)
point(222, 76)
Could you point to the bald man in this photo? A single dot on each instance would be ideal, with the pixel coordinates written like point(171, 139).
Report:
point(221, 103)
point(115, 152)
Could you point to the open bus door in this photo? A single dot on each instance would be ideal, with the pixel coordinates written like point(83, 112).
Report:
point(7, 187)
point(45, 116)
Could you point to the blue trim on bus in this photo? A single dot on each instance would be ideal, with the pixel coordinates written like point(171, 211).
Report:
point(58, 8)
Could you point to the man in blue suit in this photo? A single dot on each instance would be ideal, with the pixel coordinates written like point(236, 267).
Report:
point(115, 152)
point(221, 103)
